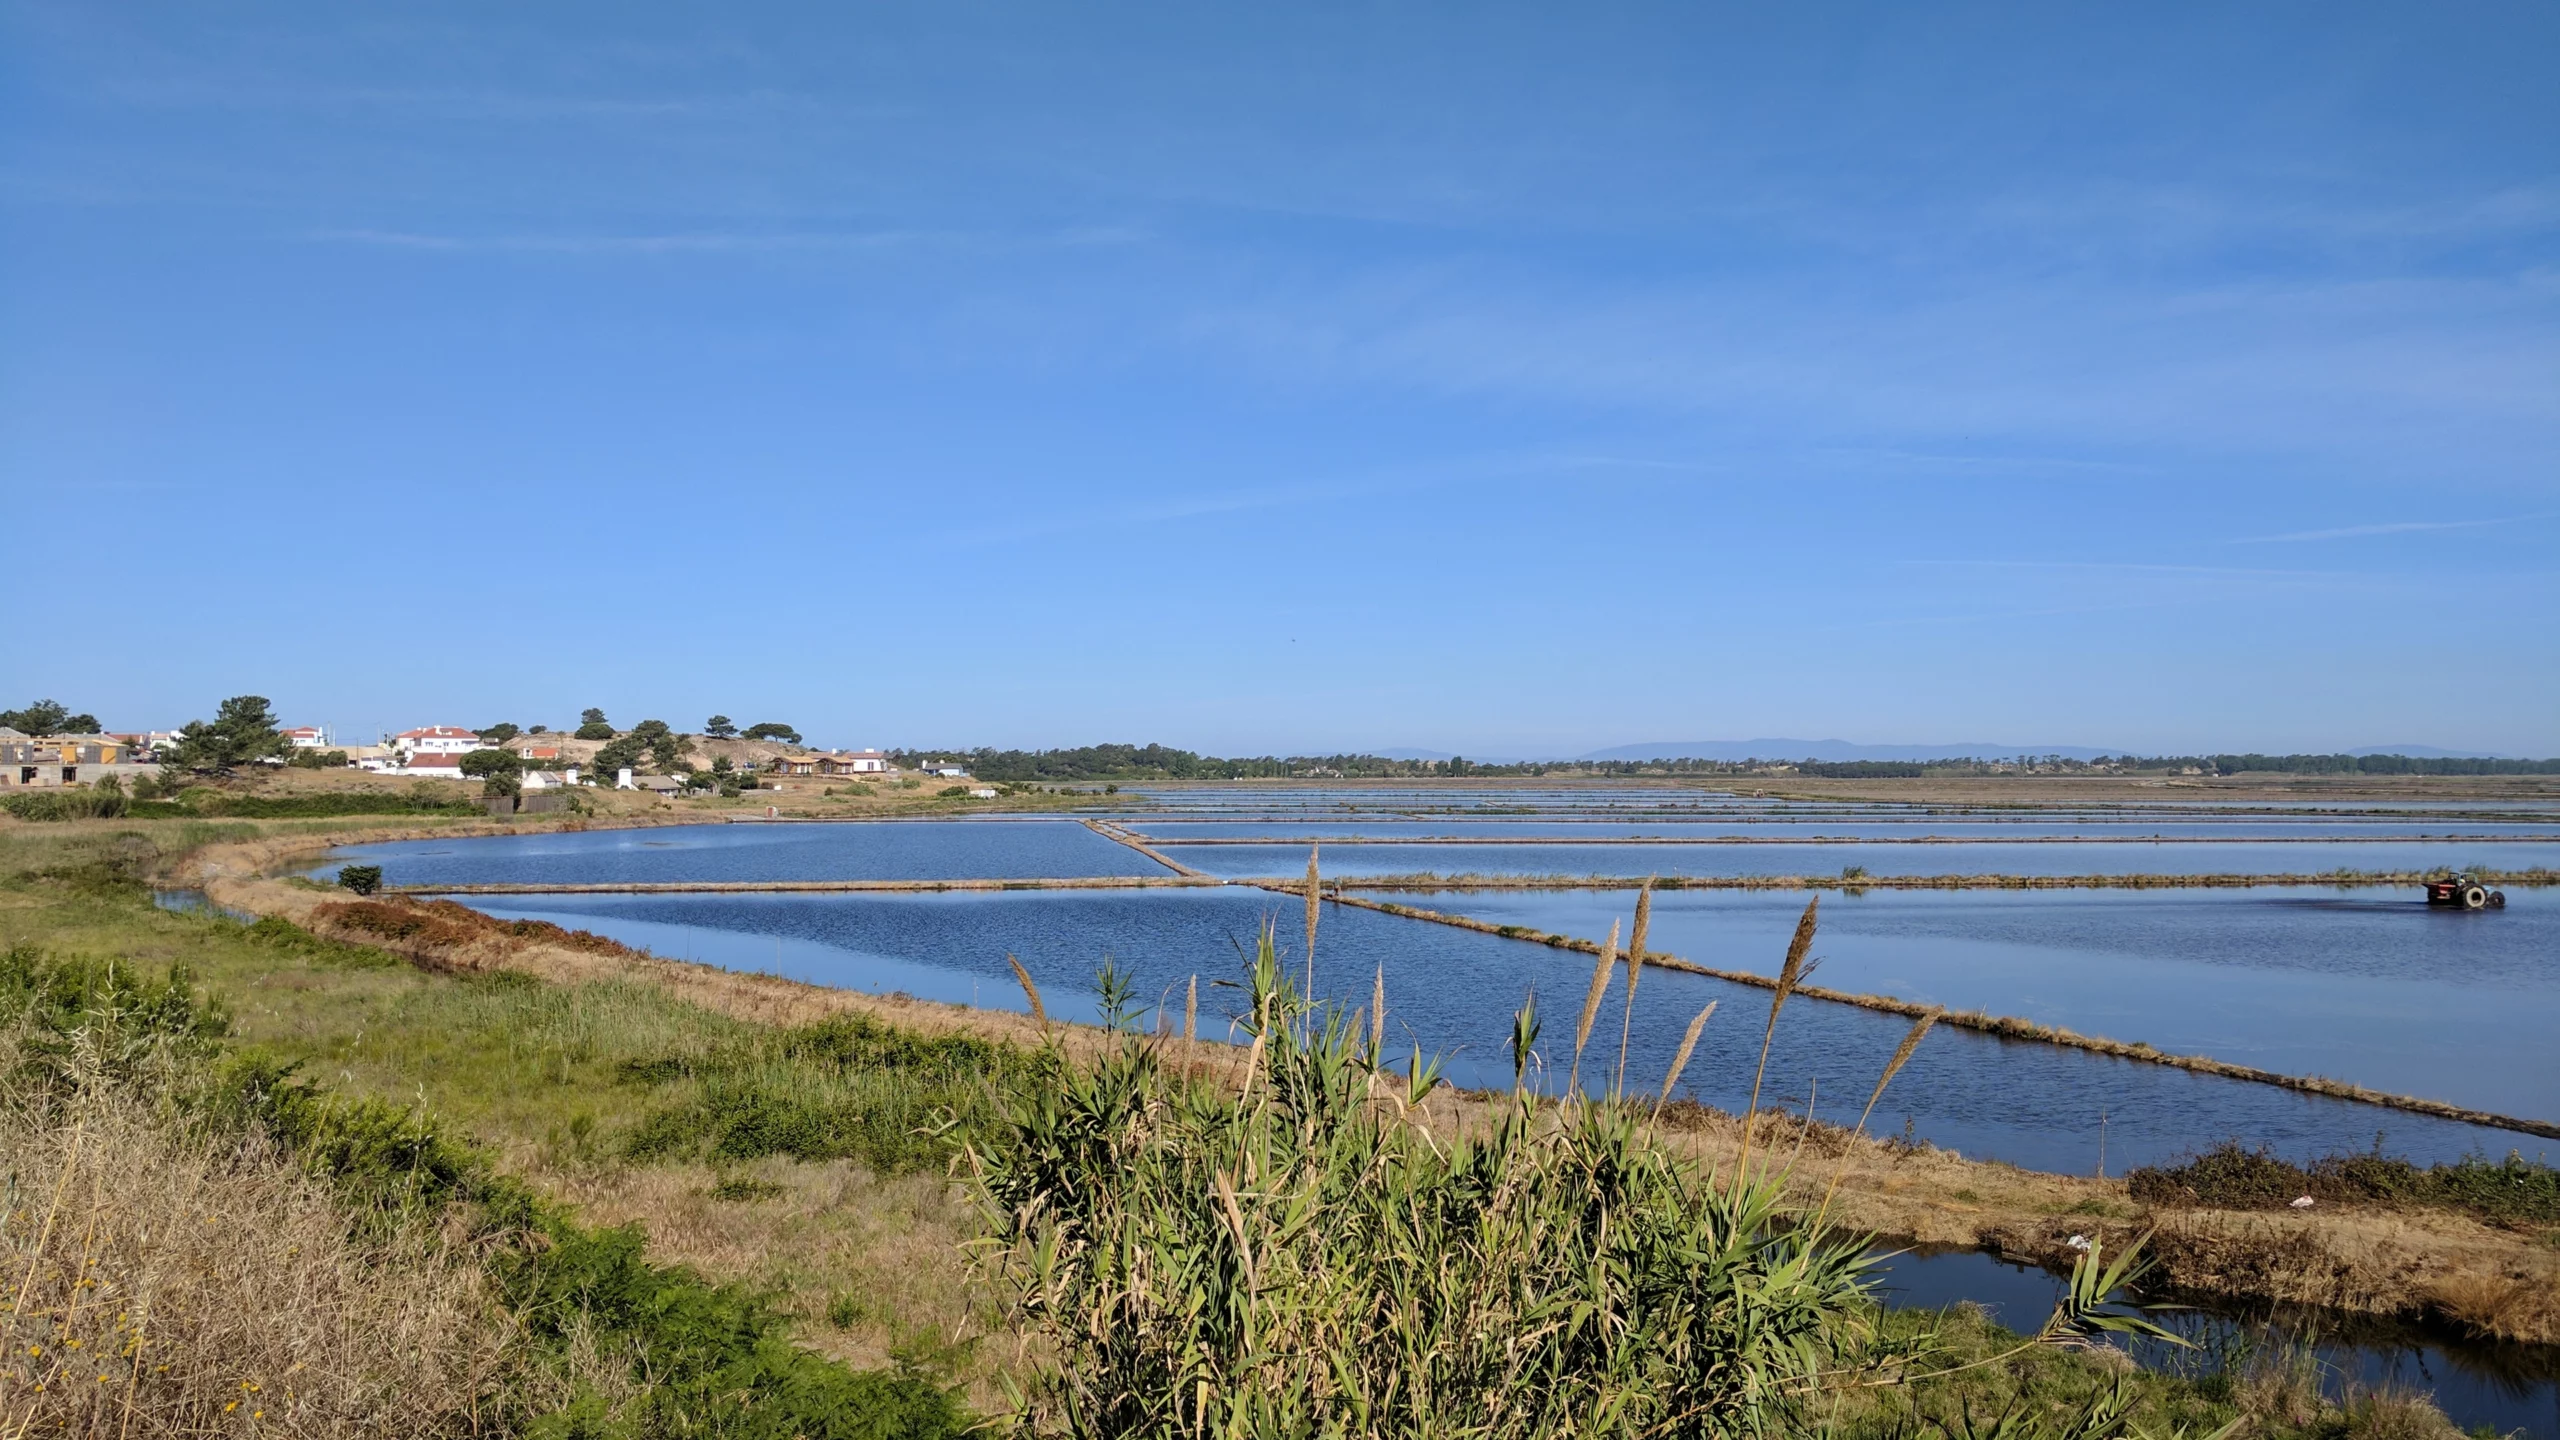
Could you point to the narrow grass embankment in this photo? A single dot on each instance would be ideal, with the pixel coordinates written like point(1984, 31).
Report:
point(2539, 876)
point(1109, 831)
point(2373, 1260)
point(2008, 1027)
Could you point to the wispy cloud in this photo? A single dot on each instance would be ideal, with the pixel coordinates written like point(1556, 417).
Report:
point(2396, 527)
point(720, 241)
point(712, 240)
point(2132, 567)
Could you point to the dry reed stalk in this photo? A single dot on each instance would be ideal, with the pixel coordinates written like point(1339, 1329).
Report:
point(1378, 1014)
point(1030, 991)
point(1315, 890)
point(1680, 1060)
point(1191, 1011)
point(1789, 975)
point(1901, 1056)
point(1635, 972)
point(1591, 1006)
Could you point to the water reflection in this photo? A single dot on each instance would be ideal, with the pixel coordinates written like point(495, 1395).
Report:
point(2506, 1387)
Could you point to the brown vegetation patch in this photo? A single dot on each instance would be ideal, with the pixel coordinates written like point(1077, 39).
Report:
point(174, 1284)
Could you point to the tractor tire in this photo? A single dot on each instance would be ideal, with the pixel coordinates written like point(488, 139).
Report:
point(2497, 899)
point(2474, 898)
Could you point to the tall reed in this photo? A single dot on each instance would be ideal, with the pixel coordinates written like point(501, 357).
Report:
point(1790, 975)
point(1591, 1005)
point(1030, 991)
point(1635, 972)
point(1315, 891)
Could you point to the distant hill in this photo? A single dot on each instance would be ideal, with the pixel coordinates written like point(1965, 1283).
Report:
point(1786, 749)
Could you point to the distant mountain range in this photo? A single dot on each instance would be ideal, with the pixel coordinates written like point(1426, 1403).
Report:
point(1783, 748)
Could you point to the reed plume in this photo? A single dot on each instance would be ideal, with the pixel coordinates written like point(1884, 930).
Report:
point(1030, 991)
point(1591, 1005)
point(1315, 889)
point(1378, 1015)
point(1680, 1061)
point(1191, 1011)
point(1635, 971)
point(1789, 975)
point(1901, 1056)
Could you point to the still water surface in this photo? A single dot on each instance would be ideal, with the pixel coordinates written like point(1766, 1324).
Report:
point(2367, 985)
point(1878, 858)
point(1452, 992)
point(2511, 1389)
point(987, 849)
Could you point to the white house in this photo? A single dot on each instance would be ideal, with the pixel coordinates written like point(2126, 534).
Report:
point(436, 740)
point(865, 762)
point(948, 771)
point(433, 766)
point(548, 779)
point(306, 737)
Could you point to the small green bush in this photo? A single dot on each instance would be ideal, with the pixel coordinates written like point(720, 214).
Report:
point(362, 879)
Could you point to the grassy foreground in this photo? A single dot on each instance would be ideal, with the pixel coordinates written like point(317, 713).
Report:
point(308, 1187)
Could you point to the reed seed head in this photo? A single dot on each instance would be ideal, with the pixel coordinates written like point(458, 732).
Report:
point(1030, 991)
point(1793, 971)
point(1378, 1014)
point(1902, 1052)
point(1688, 1043)
point(1644, 919)
point(1599, 991)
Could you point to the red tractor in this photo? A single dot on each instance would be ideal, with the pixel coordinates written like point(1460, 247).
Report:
point(2465, 893)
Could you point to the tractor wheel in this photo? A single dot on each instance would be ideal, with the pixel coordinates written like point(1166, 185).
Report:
point(2497, 899)
point(2474, 898)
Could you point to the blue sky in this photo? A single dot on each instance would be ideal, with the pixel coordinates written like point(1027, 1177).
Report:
point(1472, 377)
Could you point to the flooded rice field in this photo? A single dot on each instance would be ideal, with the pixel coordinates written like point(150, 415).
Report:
point(1637, 859)
point(980, 849)
point(1452, 992)
point(2366, 985)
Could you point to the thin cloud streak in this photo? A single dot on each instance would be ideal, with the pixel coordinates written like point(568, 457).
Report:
point(731, 241)
point(2140, 567)
point(701, 241)
point(2400, 527)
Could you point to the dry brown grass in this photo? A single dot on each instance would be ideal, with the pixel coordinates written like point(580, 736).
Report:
point(173, 1284)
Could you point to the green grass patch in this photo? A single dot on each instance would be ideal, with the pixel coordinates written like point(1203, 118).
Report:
point(845, 1088)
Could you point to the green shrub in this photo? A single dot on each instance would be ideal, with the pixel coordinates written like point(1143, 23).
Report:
point(362, 879)
point(103, 801)
point(2230, 1177)
point(1304, 1258)
point(207, 801)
